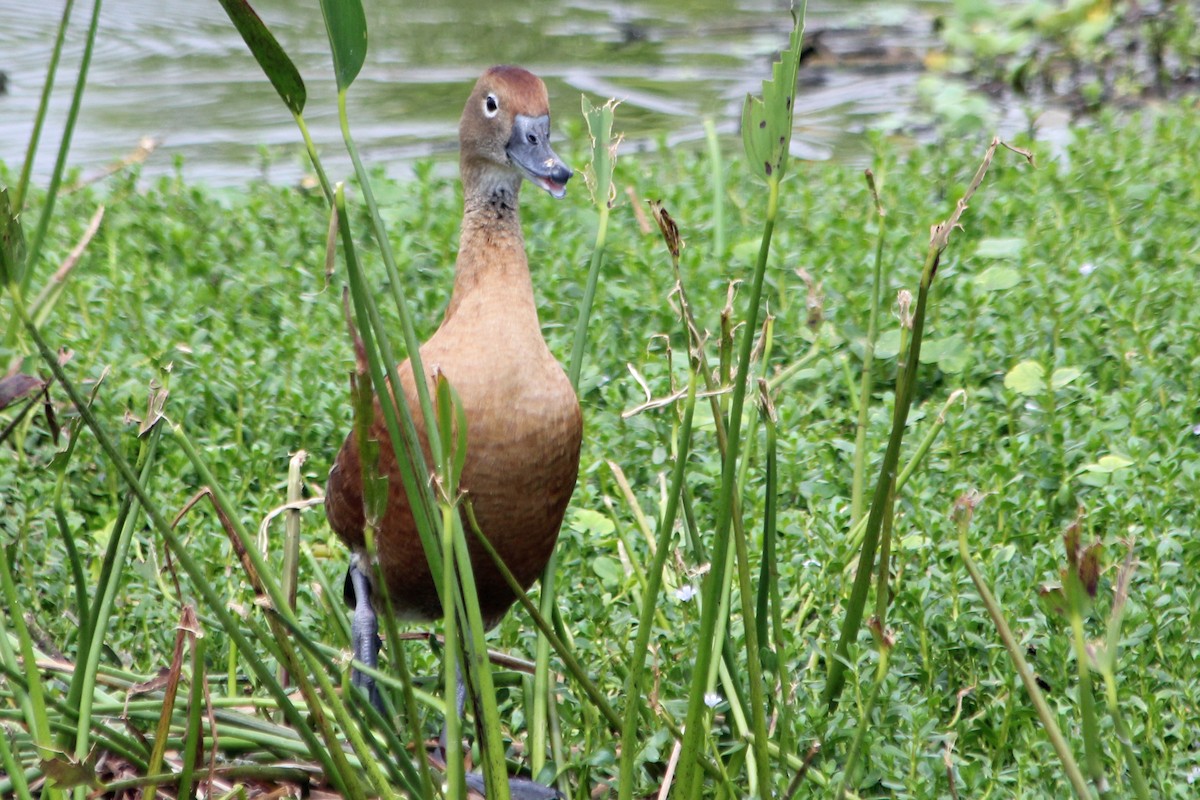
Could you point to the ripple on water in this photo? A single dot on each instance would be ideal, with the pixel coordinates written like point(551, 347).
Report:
point(177, 70)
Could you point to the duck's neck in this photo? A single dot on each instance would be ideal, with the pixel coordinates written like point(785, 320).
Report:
point(492, 266)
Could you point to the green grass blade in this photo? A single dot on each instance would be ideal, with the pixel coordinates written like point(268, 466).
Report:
point(281, 618)
point(409, 457)
point(633, 682)
point(39, 119)
point(18, 785)
point(64, 147)
point(265, 48)
point(857, 493)
point(394, 407)
point(718, 187)
point(451, 658)
point(599, 173)
point(604, 153)
point(964, 510)
point(347, 28)
point(885, 487)
point(83, 684)
point(329, 754)
point(34, 703)
point(12, 239)
point(193, 741)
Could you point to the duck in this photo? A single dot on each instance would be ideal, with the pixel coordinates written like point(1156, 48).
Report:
point(524, 424)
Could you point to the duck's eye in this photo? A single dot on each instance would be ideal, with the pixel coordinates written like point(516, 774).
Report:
point(491, 105)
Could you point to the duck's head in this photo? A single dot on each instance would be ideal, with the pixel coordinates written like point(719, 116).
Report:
point(504, 133)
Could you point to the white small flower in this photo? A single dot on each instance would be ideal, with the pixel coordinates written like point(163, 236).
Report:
point(812, 562)
point(712, 699)
point(1193, 775)
point(685, 593)
point(1086, 268)
point(1196, 431)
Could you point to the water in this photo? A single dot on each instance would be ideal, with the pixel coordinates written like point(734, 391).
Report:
point(177, 71)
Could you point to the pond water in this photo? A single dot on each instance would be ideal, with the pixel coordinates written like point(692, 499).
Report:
point(176, 70)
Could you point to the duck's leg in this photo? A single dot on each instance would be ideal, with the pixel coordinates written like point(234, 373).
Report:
point(364, 629)
point(518, 788)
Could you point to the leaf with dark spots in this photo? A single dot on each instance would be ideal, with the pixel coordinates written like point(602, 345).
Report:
point(268, 53)
point(14, 387)
point(767, 121)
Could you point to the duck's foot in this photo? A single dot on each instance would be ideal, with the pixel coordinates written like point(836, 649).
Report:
point(364, 630)
point(518, 788)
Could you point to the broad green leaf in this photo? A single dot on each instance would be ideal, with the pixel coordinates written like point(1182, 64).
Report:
point(888, 344)
point(347, 28)
point(746, 250)
point(950, 353)
point(609, 571)
point(12, 241)
point(997, 279)
point(585, 520)
point(1064, 375)
point(1027, 378)
point(266, 51)
point(1110, 463)
point(1000, 248)
point(767, 122)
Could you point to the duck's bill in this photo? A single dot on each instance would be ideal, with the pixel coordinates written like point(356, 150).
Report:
point(529, 149)
point(557, 190)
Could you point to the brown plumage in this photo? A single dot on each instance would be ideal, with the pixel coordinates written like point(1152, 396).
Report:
point(523, 419)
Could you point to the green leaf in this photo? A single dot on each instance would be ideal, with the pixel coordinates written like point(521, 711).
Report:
point(767, 122)
point(1000, 248)
point(888, 344)
point(270, 56)
point(950, 354)
point(347, 28)
point(997, 279)
point(593, 523)
point(1027, 378)
point(375, 485)
point(452, 431)
point(609, 571)
point(1063, 376)
point(12, 241)
point(1110, 463)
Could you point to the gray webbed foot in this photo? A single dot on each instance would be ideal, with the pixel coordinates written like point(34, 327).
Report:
point(364, 630)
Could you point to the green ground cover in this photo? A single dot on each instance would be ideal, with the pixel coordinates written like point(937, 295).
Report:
point(1066, 311)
